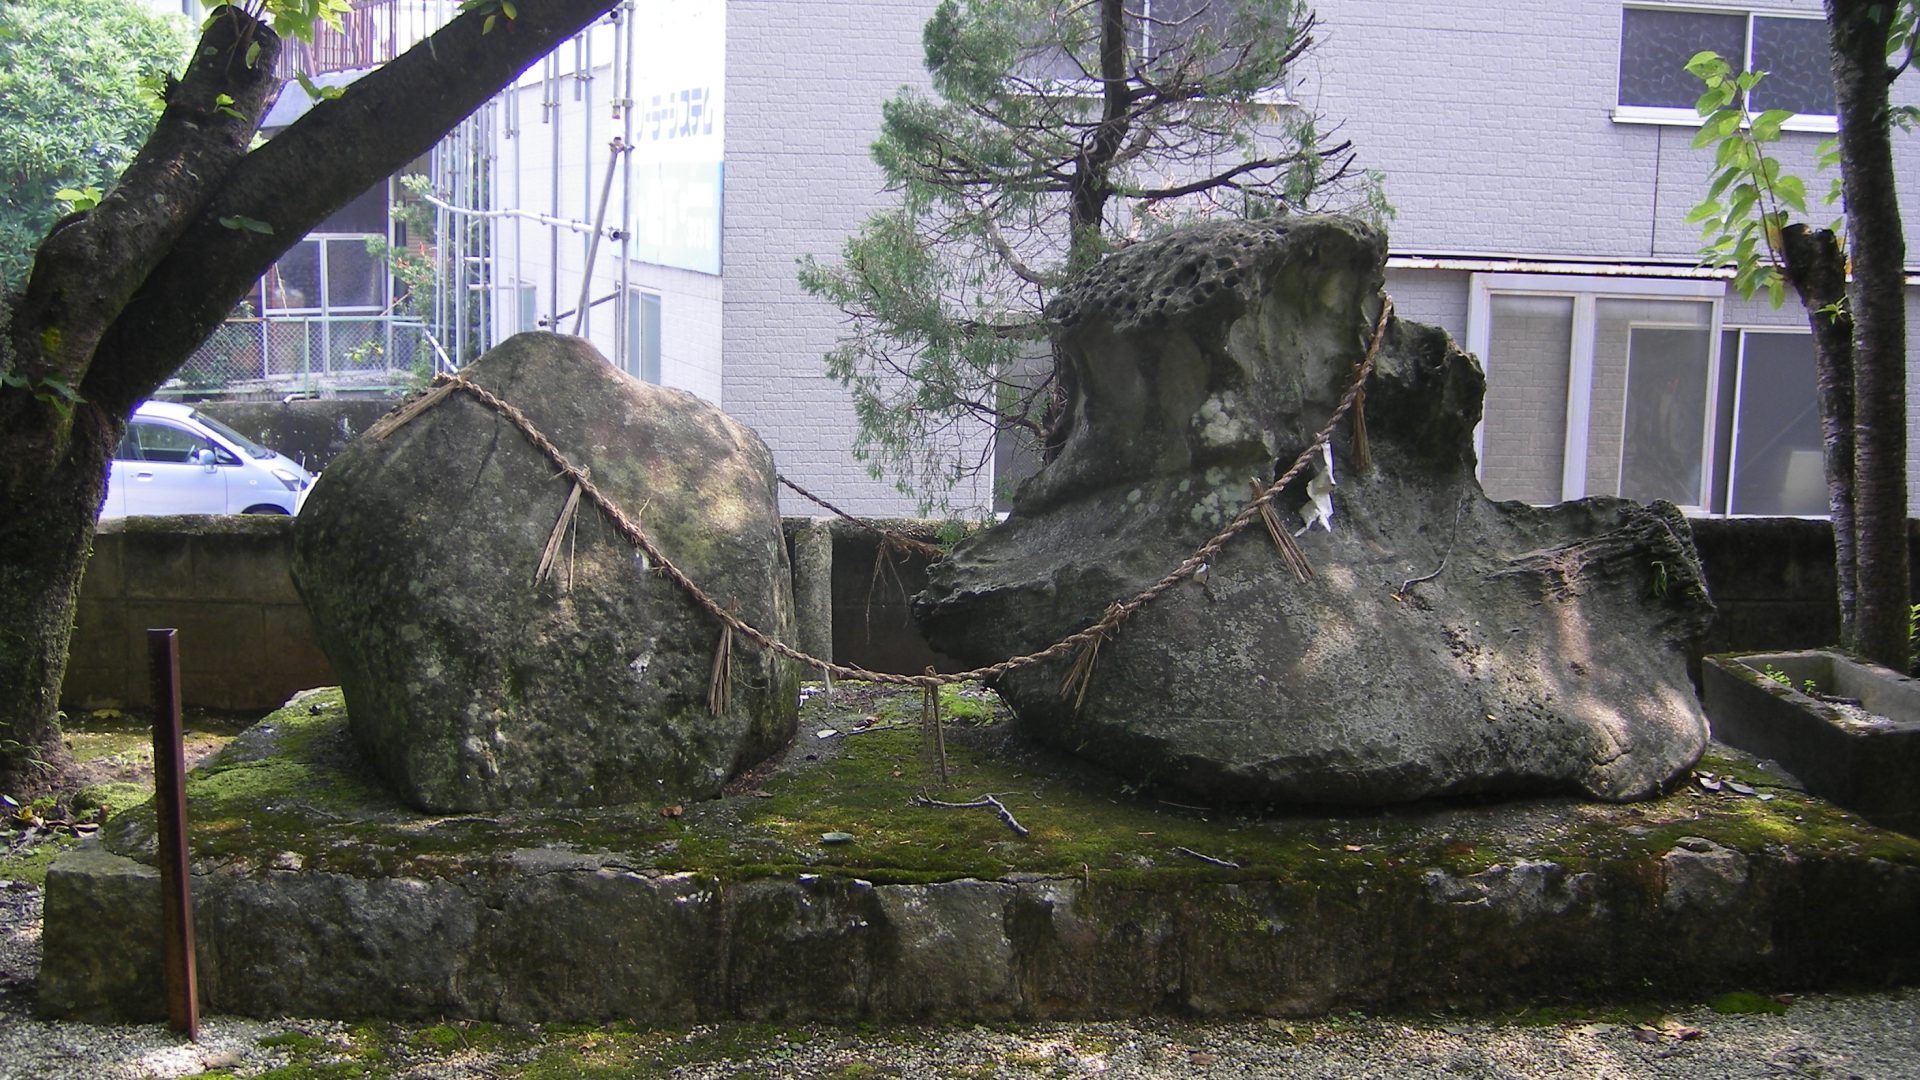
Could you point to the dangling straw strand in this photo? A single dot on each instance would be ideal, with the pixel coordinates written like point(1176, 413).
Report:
point(393, 421)
point(561, 527)
point(720, 684)
point(930, 722)
point(1290, 552)
point(1362, 451)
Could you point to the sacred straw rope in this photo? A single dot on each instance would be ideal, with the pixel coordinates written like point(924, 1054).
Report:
point(1116, 613)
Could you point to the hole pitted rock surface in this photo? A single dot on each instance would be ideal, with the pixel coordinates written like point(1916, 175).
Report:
point(475, 688)
point(1547, 655)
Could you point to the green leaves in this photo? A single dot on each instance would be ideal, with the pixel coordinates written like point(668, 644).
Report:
point(78, 199)
point(298, 18)
point(55, 392)
point(493, 9)
point(1748, 195)
point(223, 104)
point(246, 224)
point(74, 108)
point(316, 92)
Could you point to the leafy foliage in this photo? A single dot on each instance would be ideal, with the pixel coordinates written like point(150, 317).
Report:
point(76, 102)
point(1055, 133)
point(1749, 197)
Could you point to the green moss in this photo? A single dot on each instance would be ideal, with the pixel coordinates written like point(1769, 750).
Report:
point(30, 864)
point(617, 1052)
point(332, 1070)
point(1746, 1002)
point(298, 1041)
point(112, 797)
point(296, 785)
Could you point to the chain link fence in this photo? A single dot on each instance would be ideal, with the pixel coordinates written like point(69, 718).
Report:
point(277, 355)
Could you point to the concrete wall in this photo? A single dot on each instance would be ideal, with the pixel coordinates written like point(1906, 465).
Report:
point(1772, 581)
point(246, 642)
point(311, 431)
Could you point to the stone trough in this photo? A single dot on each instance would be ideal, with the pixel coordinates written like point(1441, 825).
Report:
point(1847, 729)
point(317, 893)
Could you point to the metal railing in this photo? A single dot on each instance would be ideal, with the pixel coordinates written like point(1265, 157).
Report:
point(282, 354)
point(371, 33)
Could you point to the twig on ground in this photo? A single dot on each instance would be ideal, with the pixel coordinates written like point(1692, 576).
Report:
point(983, 801)
point(1192, 854)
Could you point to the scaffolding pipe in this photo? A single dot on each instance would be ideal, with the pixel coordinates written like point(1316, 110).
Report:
point(615, 150)
point(462, 166)
point(552, 91)
point(583, 93)
point(623, 315)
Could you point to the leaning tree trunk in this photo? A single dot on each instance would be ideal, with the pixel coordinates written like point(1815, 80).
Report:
point(39, 582)
point(1816, 267)
point(120, 295)
point(1858, 32)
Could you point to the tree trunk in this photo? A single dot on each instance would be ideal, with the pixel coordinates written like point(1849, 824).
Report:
point(1816, 267)
point(39, 583)
point(1858, 32)
point(121, 295)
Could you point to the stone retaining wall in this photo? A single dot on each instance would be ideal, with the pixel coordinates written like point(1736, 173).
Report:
point(246, 642)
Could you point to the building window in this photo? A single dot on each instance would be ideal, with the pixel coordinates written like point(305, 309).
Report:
point(1608, 386)
point(641, 357)
point(1597, 386)
point(1656, 43)
point(1775, 446)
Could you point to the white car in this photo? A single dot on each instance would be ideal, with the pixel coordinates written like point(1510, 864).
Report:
point(174, 460)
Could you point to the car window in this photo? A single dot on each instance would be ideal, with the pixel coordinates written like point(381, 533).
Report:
point(244, 443)
point(162, 442)
point(129, 448)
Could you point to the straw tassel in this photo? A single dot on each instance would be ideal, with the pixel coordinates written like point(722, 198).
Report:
point(1290, 552)
point(562, 528)
point(1362, 453)
point(1081, 673)
point(930, 723)
point(720, 684)
point(393, 421)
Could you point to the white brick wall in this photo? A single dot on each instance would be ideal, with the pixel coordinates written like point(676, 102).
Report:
point(1493, 124)
point(804, 86)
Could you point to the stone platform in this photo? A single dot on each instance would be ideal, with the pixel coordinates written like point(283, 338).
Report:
point(317, 894)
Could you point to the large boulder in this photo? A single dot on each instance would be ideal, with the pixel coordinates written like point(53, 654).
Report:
point(473, 687)
point(1547, 654)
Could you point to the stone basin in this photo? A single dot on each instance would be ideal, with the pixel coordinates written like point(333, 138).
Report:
point(319, 894)
point(1849, 730)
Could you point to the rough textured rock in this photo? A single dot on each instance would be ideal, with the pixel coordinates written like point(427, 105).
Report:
point(545, 935)
point(1547, 655)
point(471, 686)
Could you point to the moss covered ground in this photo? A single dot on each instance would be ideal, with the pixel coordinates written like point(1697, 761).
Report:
point(112, 751)
point(848, 798)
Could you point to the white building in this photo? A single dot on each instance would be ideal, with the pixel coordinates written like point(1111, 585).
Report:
point(1537, 152)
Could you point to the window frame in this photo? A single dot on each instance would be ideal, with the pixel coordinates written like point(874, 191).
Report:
point(1731, 472)
point(1586, 290)
point(1819, 123)
point(642, 335)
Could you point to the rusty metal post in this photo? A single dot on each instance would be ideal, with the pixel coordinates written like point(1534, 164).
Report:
point(170, 808)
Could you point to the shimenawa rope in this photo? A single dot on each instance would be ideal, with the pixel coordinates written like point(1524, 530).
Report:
point(1117, 613)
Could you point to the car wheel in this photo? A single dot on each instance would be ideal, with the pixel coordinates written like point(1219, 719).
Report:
point(266, 508)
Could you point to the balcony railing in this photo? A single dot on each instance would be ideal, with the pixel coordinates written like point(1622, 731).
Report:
point(270, 357)
point(372, 33)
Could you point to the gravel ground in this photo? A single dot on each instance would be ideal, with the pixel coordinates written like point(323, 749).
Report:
point(1869, 1036)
